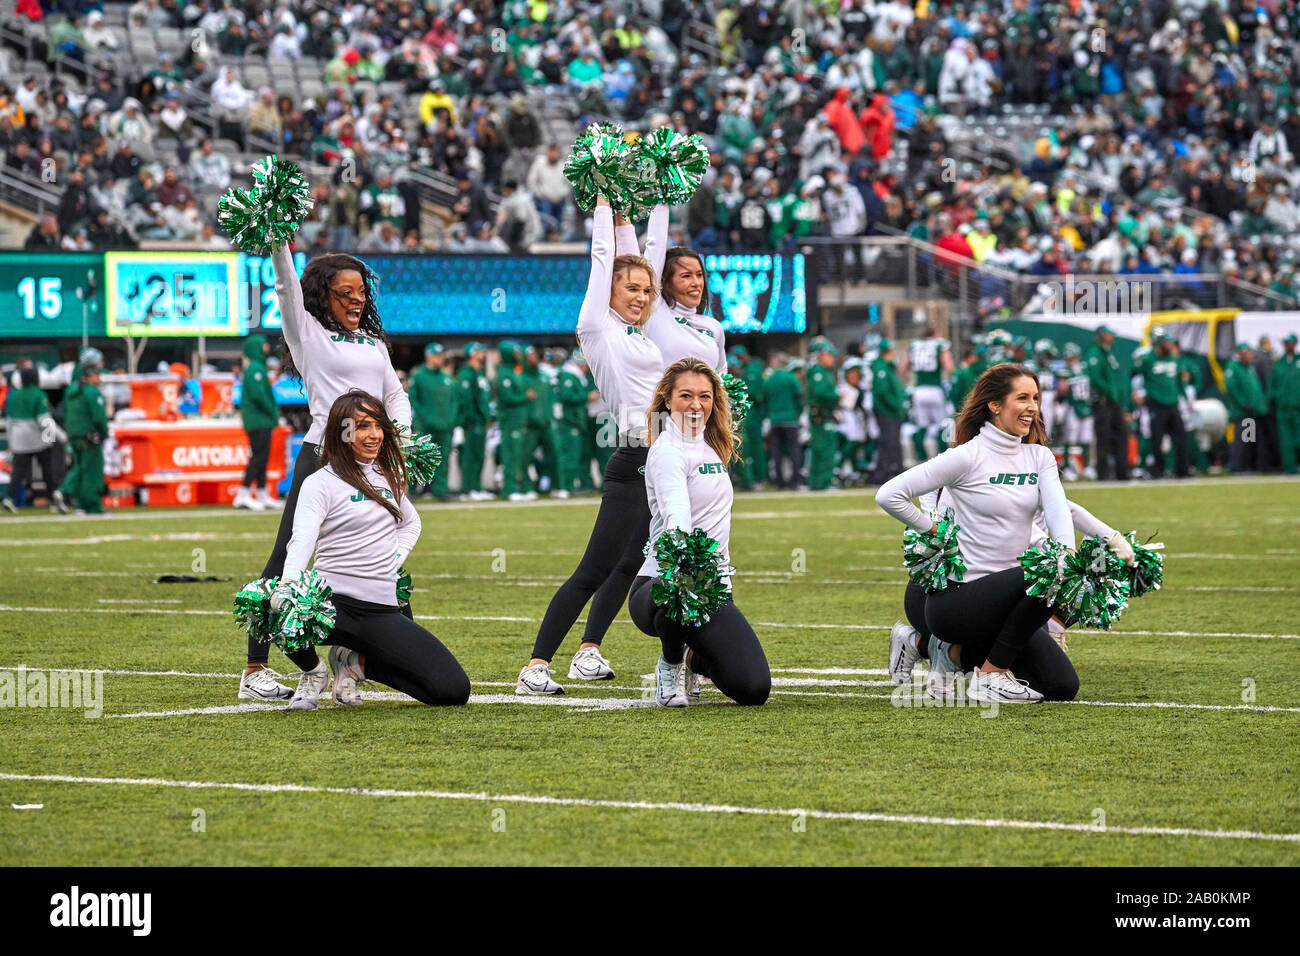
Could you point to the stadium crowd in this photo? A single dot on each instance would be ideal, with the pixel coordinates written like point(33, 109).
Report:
point(1173, 156)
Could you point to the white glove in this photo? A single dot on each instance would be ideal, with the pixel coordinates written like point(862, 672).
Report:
point(1119, 544)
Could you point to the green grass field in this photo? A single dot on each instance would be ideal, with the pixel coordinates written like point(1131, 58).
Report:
point(506, 781)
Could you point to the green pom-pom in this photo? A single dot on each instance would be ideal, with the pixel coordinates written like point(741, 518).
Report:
point(693, 575)
point(403, 586)
point(306, 617)
point(597, 165)
point(253, 608)
point(933, 559)
point(1148, 571)
point(677, 163)
point(423, 455)
point(1089, 587)
point(268, 215)
point(737, 397)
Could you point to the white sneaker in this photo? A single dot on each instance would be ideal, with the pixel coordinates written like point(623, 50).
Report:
point(481, 496)
point(561, 494)
point(1001, 687)
point(245, 500)
point(269, 503)
point(943, 685)
point(1057, 632)
point(519, 496)
point(692, 681)
point(670, 684)
point(346, 666)
point(310, 685)
point(903, 653)
point(535, 679)
point(530, 496)
point(8, 504)
point(60, 502)
point(587, 664)
point(261, 685)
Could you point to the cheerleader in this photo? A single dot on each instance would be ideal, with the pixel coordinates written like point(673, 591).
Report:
point(355, 514)
point(334, 340)
point(912, 641)
point(676, 324)
point(997, 477)
point(626, 365)
point(688, 487)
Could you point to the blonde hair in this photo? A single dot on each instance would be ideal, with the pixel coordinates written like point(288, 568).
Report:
point(628, 262)
point(717, 430)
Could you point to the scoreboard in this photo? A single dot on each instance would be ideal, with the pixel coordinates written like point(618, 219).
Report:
point(43, 294)
point(172, 293)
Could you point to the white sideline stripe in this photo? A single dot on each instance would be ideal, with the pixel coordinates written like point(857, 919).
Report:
point(829, 670)
point(139, 600)
point(534, 620)
point(855, 816)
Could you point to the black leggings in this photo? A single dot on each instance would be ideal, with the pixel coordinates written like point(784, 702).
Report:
point(398, 652)
point(614, 554)
point(914, 611)
point(992, 618)
point(725, 650)
point(306, 465)
point(259, 445)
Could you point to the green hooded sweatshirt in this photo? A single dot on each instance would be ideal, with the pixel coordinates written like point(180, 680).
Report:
point(257, 405)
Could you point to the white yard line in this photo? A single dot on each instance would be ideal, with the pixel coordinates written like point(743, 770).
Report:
point(854, 816)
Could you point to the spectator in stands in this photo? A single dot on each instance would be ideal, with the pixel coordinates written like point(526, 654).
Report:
point(22, 159)
point(77, 241)
point(149, 13)
point(125, 164)
point(173, 188)
point(174, 121)
point(517, 222)
point(549, 188)
point(66, 39)
point(264, 118)
point(104, 233)
point(130, 126)
point(209, 169)
point(181, 217)
point(44, 236)
point(230, 100)
point(76, 205)
point(384, 238)
point(284, 45)
point(344, 217)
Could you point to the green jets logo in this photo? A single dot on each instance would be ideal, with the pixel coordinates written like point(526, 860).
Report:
point(633, 330)
point(686, 322)
point(714, 468)
point(383, 493)
point(355, 340)
point(1006, 479)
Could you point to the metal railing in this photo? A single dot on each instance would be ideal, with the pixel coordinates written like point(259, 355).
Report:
point(919, 269)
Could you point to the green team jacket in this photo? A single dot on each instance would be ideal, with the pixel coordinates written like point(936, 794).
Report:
point(1162, 377)
point(475, 401)
point(888, 394)
point(512, 396)
point(433, 398)
point(540, 409)
point(257, 405)
point(959, 386)
point(823, 394)
point(83, 411)
point(27, 404)
point(1245, 394)
point(1193, 369)
point(784, 394)
point(1284, 382)
point(752, 375)
point(571, 390)
point(1104, 374)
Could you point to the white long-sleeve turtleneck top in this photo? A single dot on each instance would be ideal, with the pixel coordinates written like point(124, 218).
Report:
point(688, 487)
point(359, 545)
point(996, 486)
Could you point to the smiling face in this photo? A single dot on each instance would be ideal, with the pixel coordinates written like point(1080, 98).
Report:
point(686, 282)
point(367, 437)
point(630, 295)
point(347, 298)
point(691, 402)
point(1018, 410)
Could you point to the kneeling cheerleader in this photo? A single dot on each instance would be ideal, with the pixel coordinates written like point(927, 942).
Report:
point(354, 513)
point(683, 592)
point(997, 477)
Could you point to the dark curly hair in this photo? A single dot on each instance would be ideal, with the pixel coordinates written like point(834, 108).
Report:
point(315, 284)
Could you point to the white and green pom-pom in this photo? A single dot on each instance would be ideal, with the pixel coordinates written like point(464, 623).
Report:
point(1089, 587)
point(404, 586)
point(737, 397)
point(306, 615)
point(268, 215)
point(598, 165)
point(253, 609)
point(933, 558)
point(1148, 571)
point(693, 576)
point(423, 455)
point(678, 163)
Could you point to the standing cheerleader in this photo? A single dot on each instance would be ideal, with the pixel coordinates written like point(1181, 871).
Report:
point(626, 365)
point(688, 487)
point(354, 512)
point(334, 340)
point(677, 325)
point(996, 479)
